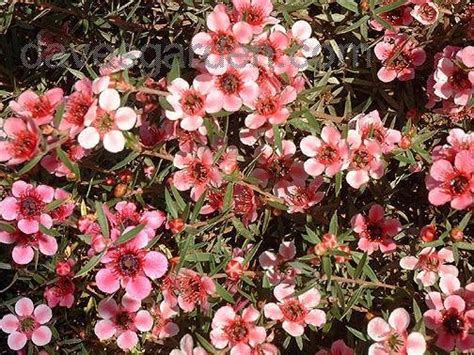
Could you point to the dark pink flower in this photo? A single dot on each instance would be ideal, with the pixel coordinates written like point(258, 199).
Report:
point(273, 264)
point(40, 109)
point(254, 12)
point(163, 326)
point(426, 13)
point(193, 289)
point(375, 231)
point(239, 332)
point(298, 195)
point(28, 206)
point(122, 322)
point(60, 293)
point(77, 107)
point(26, 244)
point(28, 323)
point(295, 312)
point(337, 348)
point(22, 141)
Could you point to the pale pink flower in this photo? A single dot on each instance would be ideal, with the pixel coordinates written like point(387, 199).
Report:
point(120, 62)
point(231, 89)
point(60, 293)
point(193, 289)
point(452, 183)
point(365, 160)
point(163, 314)
point(186, 347)
point(298, 195)
point(375, 231)
point(295, 312)
point(26, 244)
point(273, 263)
point(189, 104)
point(337, 348)
point(392, 337)
point(40, 109)
point(221, 47)
point(28, 206)
point(106, 121)
point(451, 320)
point(370, 126)
point(430, 265)
point(197, 172)
point(426, 13)
point(270, 108)
point(21, 143)
point(131, 267)
point(28, 323)
point(254, 12)
point(400, 56)
point(239, 332)
point(122, 322)
point(328, 154)
point(77, 107)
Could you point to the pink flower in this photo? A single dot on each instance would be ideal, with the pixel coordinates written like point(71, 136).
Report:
point(337, 348)
point(186, 347)
point(426, 13)
point(239, 332)
point(371, 127)
point(375, 231)
point(231, 89)
point(399, 56)
point(222, 45)
point(26, 244)
point(295, 312)
point(22, 141)
point(117, 63)
point(130, 267)
point(431, 265)
point(60, 293)
point(28, 323)
point(163, 314)
point(270, 108)
point(328, 154)
point(452, 183)
point(273, 263)
point(398, 17)
point(107, 120)
point(55, 166)
point(298, 195)
point(77, 107)
point(365, 160)
point(193, 289)
point(122, 322)
point(40, 109)
point(454, 76)
point(28, 206)
point(198, 171)
point(393, 337)
point(65, 209)
point(254, 12)
point(451, 320)
point(189, 104)
point(269, 55)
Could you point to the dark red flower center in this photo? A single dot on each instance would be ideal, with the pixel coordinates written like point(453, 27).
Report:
point(23, 145)
point(293, 310)
point(192, 102)
point(459, 184)
point(189, 288)
point(429, 262)
point(229, 83)
point(267, 106)
point(129, 264)
point(124, 320)
point(453, 322)
point(460, 80)
point(427, 12)
point(252, 15)
point(243, 199)
point(299, 196)
point(28, 325)
point(224, 43)
point(31, 204)
point(361, 159)
point(374, 232)
point(42, 107)
point(77, 108)
point(200, 172)
point(327, 154)
point(237, 331)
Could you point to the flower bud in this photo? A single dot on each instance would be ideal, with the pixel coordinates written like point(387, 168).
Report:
point(456, 234)
point(428, 233)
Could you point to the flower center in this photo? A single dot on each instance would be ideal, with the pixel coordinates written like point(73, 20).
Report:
point(192, 102)
point(24, 144)
point(129, 265)
point(293, 310)
point(267, 106)
point(459, 184)
point(327, 154)
point(460, 80)
point(243, 199)
point(200, 172)
point(41, 108)
point(28, 325)
point(299, 197)
point(124, 320)
point(361, 159)
point(453, 322)
point(64, 286)
point(252, 15)
point(374, 232)
point(224, 43)
point(78, 106)
point(190, 288)
point(229, 83)
point(104, 122)
point(31, 205)
point(427, 12)
point(394, 342)
point(429, 262)
point(238, 331)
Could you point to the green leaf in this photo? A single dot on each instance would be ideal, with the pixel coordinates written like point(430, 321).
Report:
point(69, 164)
point(466, 219)
point(333, 225)
point(132, 156)
point(360, 267)
point(102, 219)
point(327, 267)
point(223, 293)
point(390, 7)
point(58, 116)
point(125, 237)
point(354, 25)
point(30, 165)
point(349, 5)
point(7, 227)
point(242, 230)
point(229, 193)
point(175, 71)
point(278, 141)
point(170, 204)
point(465, 246)
point(90, 264)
